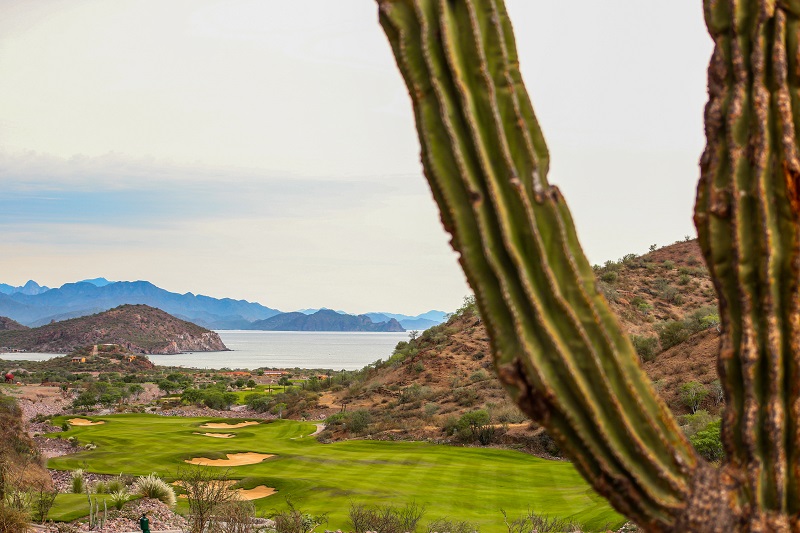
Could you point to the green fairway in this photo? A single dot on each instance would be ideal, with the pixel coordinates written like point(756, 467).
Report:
point(461, 483)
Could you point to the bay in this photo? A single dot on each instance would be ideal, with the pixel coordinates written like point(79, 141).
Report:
point(291, 349)
point(278, 349)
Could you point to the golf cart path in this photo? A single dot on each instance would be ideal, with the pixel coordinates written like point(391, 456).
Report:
point(320, 429)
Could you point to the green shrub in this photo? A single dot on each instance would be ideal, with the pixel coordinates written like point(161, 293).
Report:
point(154, 487)
point(116, 485)
point(359, 420)
point(646, 347)
point(78, 486)
point(609, 276)
point(479, 375)
point(100, 488)
point(668, 265)
point(692, 394)
point(708, 442)
point(692, 423)
point(672, 333)
point(118, 499)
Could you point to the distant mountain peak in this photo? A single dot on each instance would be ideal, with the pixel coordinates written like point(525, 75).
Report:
point(97, 282)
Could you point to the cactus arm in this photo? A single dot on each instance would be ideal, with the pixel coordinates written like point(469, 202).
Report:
point(747, 218)
point(557, 347)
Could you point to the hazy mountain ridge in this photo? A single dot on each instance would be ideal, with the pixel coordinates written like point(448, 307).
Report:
point(87, 297)
point(138, 328)
point(34, 305)
point(324, 320)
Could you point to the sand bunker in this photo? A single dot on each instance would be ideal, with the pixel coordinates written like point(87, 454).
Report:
point(216, 435)
point(222, 425)
point(233, 459)
point(83, 422)
point(262, 491)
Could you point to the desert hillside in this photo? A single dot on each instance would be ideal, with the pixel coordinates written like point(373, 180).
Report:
point(664, 301)
point(138, 328)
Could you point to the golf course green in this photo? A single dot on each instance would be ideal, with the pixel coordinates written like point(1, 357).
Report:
point(471, 484)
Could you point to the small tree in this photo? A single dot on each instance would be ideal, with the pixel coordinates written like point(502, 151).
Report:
point(206, 490)
point(692, 394)
point(278, 409)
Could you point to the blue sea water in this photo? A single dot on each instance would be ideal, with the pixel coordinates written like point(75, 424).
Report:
point(279, 349)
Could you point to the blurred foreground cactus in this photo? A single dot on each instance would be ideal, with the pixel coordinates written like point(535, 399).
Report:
point(557, 347)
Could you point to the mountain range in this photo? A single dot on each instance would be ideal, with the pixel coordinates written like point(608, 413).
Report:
point(35, 305)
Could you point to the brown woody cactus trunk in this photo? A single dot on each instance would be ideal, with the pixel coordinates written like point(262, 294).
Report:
point(747, 220)
point(557, 347)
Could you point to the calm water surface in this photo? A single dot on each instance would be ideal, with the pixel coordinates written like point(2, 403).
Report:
point(281, 349)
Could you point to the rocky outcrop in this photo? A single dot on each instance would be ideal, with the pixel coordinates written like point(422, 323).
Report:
point(138, 328)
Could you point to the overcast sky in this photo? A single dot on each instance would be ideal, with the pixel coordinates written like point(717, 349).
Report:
point(265, 149)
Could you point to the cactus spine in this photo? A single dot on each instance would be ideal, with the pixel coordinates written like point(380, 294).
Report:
point(557, 347)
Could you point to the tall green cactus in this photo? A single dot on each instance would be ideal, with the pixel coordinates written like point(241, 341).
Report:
point(557, 347)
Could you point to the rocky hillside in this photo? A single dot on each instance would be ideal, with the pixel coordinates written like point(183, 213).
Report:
point(6, 324)
point(663, 297)
point(21, 460)
point(138, 328)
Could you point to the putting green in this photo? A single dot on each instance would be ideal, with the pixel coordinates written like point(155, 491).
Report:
point(461, 483)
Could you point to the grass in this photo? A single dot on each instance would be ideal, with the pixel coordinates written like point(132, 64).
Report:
point(69, 507)
point(469, 483)
point(258, 389)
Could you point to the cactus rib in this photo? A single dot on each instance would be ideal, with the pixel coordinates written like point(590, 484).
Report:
point(747, 212)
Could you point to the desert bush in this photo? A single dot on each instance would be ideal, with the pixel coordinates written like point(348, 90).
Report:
point(609, 276)
point(531, 522)
point(77, 483)
point(359, 420)
point(42, 500)
point(692, 423)
point(692, 394)
point(465, 396)
point(646, 347)
point(717, 392)
point(479, 375)
point(386, 519)
point(672, 333)
point(118, 499)
point(445, 525)
point(13, 520)
point(115, 485)
point(294, 520)
point(153, 486)
point(206, 491)
point(235, 516)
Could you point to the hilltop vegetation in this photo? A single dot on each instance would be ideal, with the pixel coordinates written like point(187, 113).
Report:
point(138, 328)
point(440, 384)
